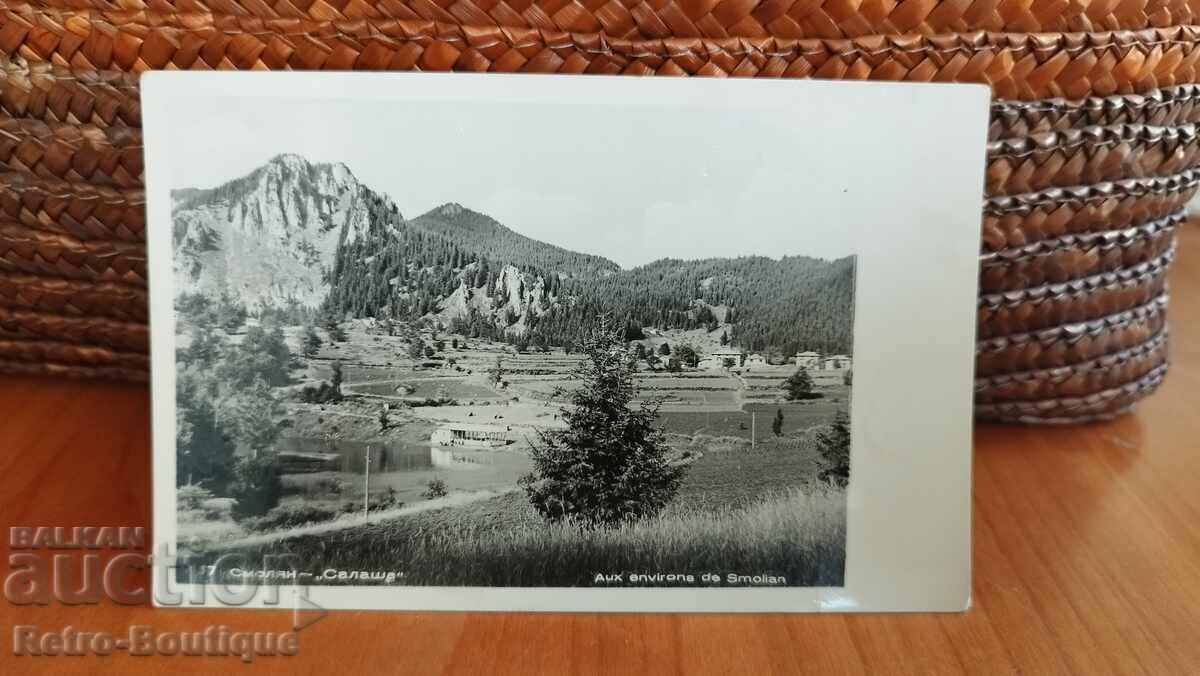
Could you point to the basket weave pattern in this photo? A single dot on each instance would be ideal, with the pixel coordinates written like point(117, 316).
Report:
point(1093, 150)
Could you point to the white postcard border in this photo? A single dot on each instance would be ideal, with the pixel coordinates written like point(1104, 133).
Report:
point(909, 500)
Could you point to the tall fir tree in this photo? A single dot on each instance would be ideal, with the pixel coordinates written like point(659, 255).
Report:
point(834, 444)
point(610, 463)
point(799, 385)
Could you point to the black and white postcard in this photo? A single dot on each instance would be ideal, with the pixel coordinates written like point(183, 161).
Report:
point(562, 343)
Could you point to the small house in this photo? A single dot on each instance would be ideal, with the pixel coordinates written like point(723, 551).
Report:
point(463, 434)
point(716, 358)
point(808, 360)
point(836, 362)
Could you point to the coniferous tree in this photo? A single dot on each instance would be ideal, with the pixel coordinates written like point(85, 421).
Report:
point(416, 349)
point(251, 415)
point(230, 314)
point(204, 349)
point(777, 423)
point(689, 355)
point(312, 342)
point(337, 378)
point(204, 452)
point(609, 465)
point(336, 333)
point(257, 486)
point(497, 372)
point(261, 354)
point(799, 385)
point(834, 445)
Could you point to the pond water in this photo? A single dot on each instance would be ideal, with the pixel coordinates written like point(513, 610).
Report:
point(407, 467)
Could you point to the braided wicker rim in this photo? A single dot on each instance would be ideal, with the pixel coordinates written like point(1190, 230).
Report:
point(1061, 373)
point(1080, 382)
point(110, 98)
point(1060, 347)
point(1090, 155)
point(82, 211)
point(1103, 240)
point(1020, 228)
point(112, 156)
point(1065, 310)
point(1017, 65)
point(1117, 409)
point(1066, 264)
point(1075, 303)
point(72, 297)
point(1171, 106)
point(1075, 331)
point(69, 353)
point(1183, 183)
point(661, 18)
point(55, 94)
point(74, 371)
point(1100, 406)
point(38, 252)
point(1153, 269)
point(74, 153)
point(100, 331)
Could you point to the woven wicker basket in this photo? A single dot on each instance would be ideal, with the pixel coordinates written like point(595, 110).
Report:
point(1093, 151)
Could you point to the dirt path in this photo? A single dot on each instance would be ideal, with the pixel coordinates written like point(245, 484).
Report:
point(334, 411)
point(355, 520)
point(740, 392)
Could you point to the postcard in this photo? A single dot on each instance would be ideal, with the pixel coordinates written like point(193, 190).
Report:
point(513, 342)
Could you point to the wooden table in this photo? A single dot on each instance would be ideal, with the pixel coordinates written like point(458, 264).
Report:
point(1086, 558)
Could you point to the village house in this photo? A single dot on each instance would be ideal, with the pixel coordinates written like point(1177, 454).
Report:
point(756, 360)
point(835, 362)
point(716, 358)
point(808, 360)
point(463, 434)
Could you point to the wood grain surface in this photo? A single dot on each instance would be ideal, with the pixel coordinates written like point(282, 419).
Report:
point(1086, 559)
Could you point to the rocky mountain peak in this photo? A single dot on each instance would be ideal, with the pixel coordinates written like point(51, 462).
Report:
point(516, 295)
point(286, 220)
point(450, 210)
point(291, 160)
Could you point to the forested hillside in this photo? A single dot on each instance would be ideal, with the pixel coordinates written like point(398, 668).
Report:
point(297, 238)
point(402, 271)
point(483, 235)
point(796, 303)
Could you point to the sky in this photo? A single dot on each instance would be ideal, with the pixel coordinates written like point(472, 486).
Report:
point(631, 183)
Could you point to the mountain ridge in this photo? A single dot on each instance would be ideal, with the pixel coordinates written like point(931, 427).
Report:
point(293, 232)
point(268, 236)
point(503, 244)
